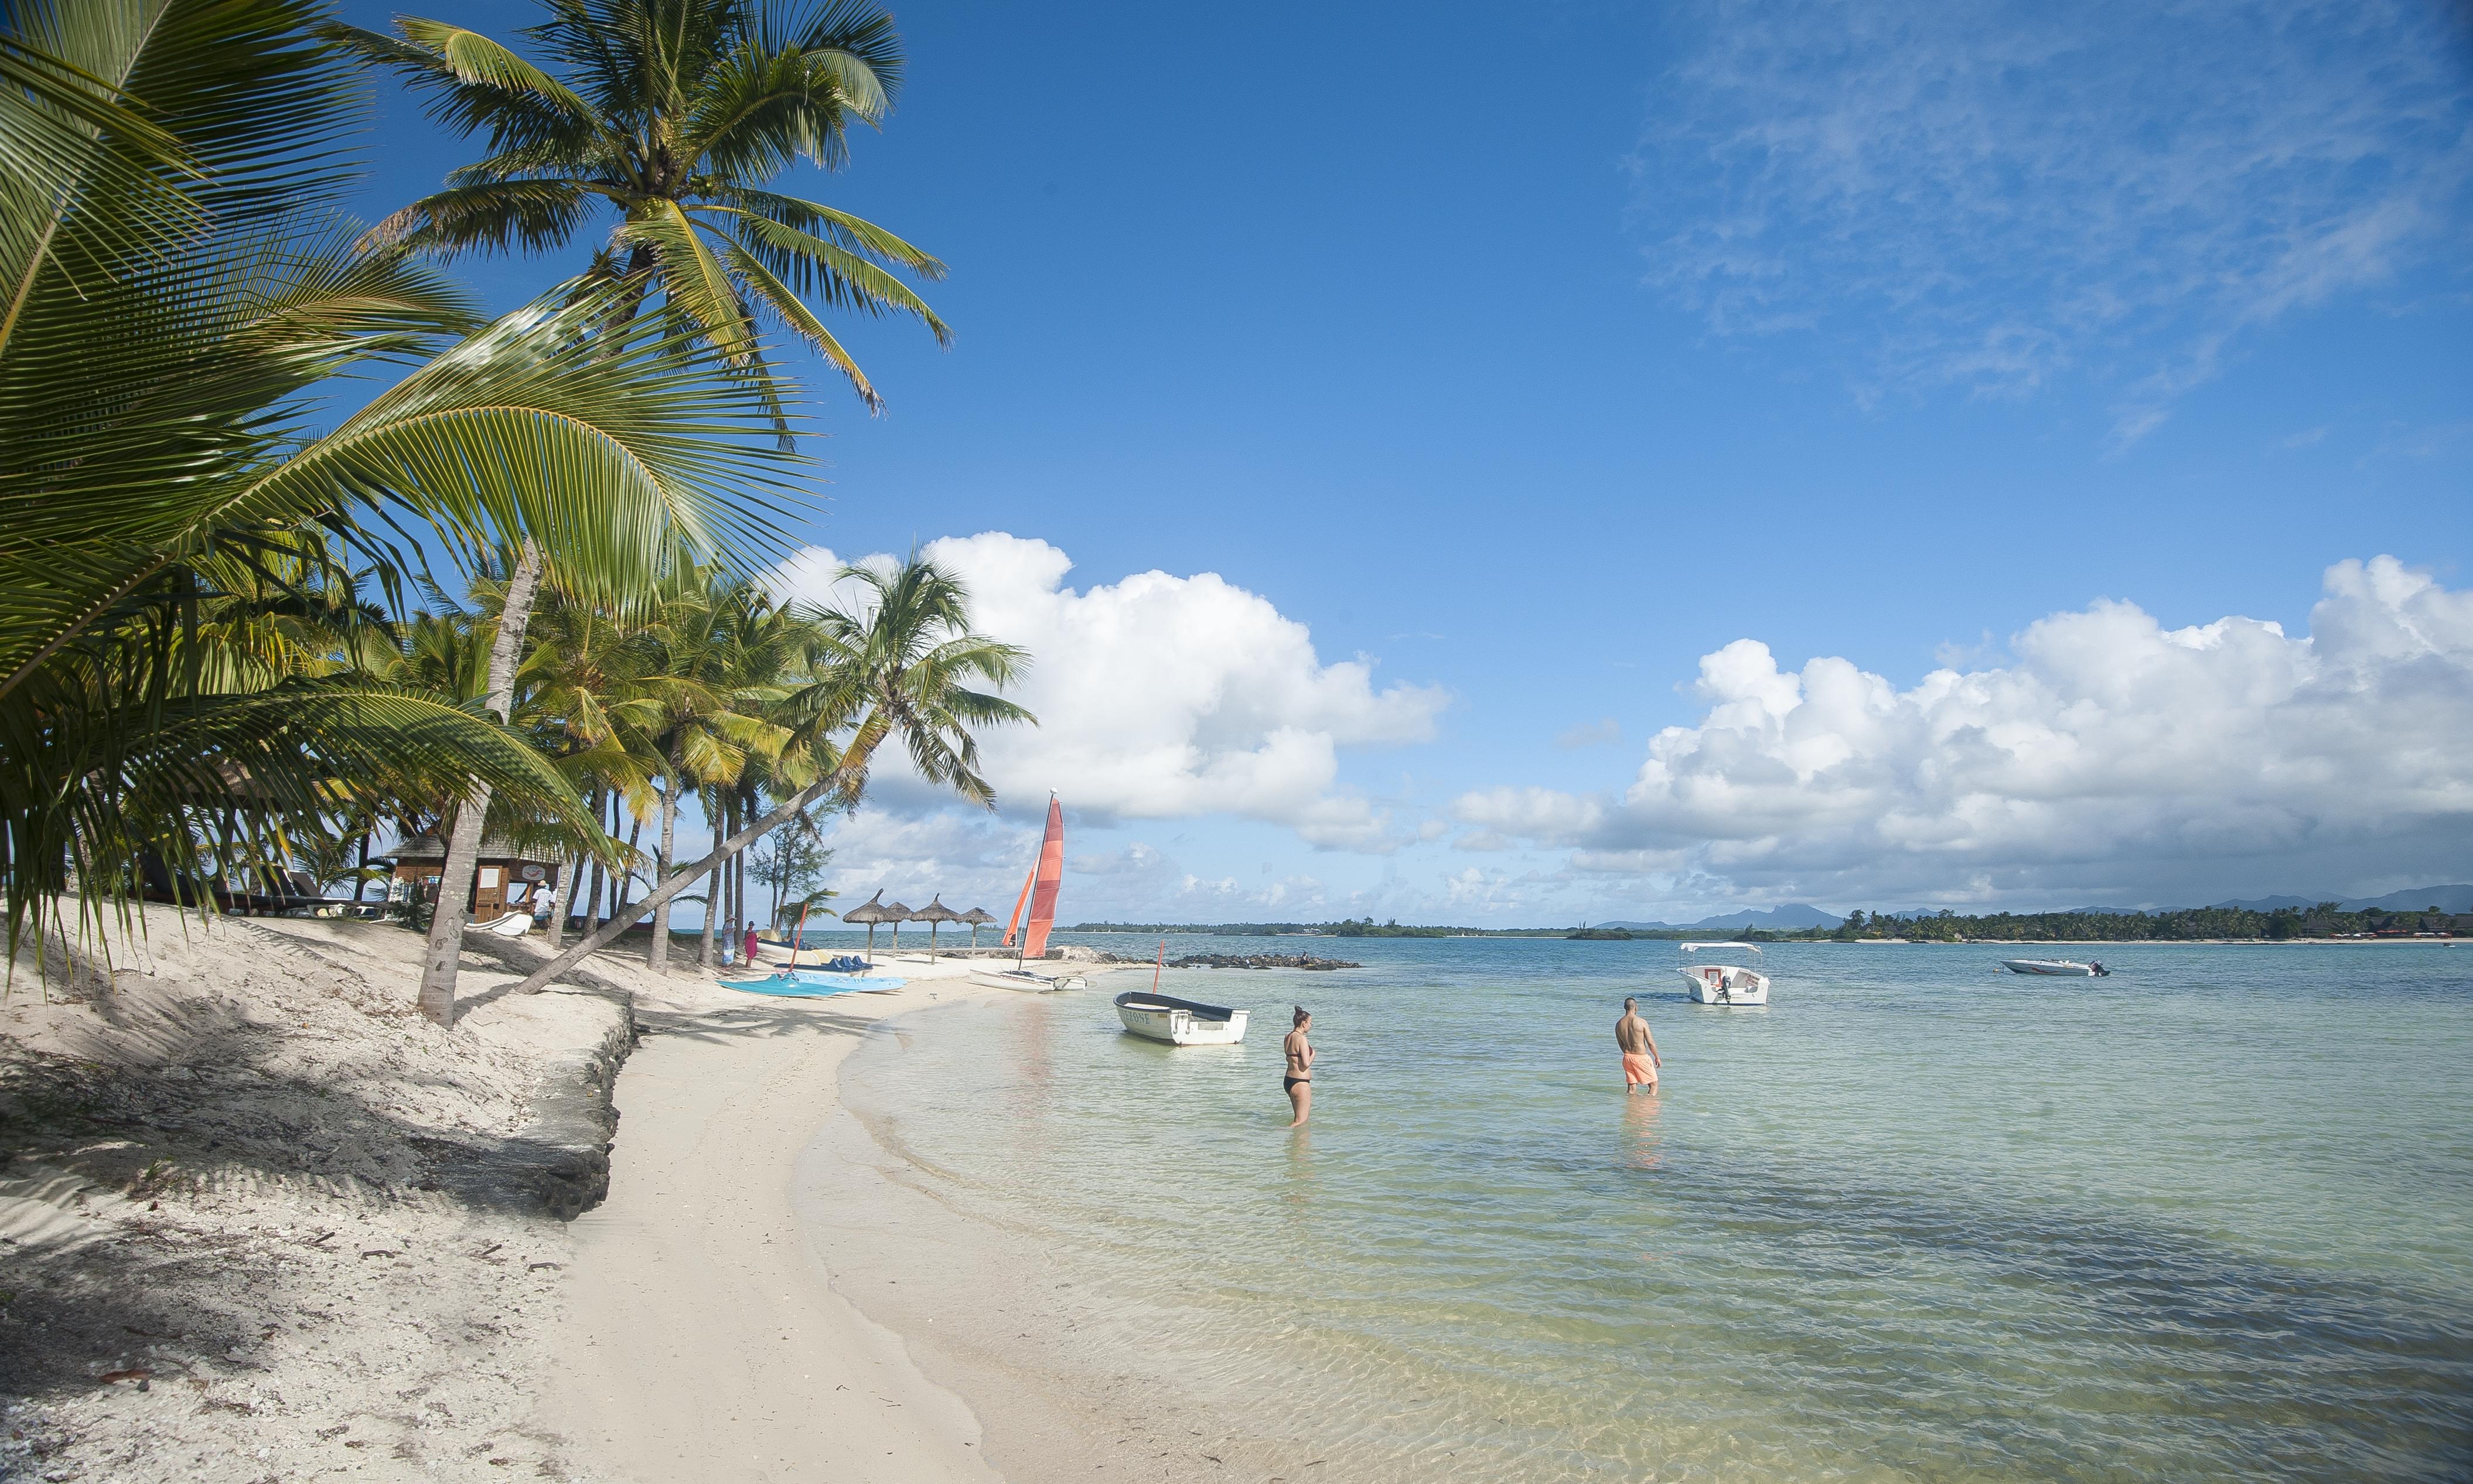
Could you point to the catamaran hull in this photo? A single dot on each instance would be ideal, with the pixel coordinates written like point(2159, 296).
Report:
point(1180, 1022)
point(1026, 981)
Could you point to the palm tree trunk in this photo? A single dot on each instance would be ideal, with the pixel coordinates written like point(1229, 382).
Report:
point(657, 957)
point(713, 903)
point(464, 842)
point(592, 900)
point(624, 886)
point(735, 873)
point(679, 881)
point(567, 873)
point(567, 880)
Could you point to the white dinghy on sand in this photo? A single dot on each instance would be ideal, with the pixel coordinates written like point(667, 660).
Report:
point(1725, 984)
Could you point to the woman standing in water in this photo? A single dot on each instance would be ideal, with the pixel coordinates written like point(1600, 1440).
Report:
point(1299, 1077)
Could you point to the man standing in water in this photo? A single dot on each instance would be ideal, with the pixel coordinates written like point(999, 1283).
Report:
point(1298, 1080)
point(1639, 1057)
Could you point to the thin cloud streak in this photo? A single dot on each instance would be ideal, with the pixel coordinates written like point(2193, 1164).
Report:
point(1994, 199)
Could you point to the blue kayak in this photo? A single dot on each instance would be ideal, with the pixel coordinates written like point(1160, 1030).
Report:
point(805, 984)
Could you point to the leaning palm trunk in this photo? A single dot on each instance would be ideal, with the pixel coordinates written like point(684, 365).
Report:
point(464, 842)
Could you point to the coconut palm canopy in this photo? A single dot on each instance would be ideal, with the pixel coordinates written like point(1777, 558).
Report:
point(182, 549)
point(674, 116)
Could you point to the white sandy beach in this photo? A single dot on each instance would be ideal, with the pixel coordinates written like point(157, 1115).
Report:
point(263, 1222)
point(700, 1336)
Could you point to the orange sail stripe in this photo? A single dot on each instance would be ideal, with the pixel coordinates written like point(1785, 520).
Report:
point(1012, 924)
point(1051, 875)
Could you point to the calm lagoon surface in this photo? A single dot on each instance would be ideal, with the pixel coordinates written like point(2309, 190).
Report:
point(2210, 1218)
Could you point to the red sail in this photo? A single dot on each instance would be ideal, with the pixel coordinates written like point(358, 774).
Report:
point(1051, 874)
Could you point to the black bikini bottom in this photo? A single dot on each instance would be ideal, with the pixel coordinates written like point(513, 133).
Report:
point(1289, 1084)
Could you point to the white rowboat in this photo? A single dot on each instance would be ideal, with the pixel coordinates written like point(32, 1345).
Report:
point(1180, 1022)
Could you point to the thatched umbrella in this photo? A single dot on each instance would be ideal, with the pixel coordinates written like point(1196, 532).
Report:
point(871, 912)
point(896, 914)
point(977, 918)
point(933, 913)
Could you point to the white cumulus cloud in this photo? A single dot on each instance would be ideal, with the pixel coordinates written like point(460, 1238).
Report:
point(1164, 697)
point(2112, 758)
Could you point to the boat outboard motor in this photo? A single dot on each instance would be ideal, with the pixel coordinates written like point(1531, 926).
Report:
point(2100, 972)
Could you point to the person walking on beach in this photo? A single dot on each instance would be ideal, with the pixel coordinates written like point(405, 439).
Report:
point(1298, 1080)
point(1639, 1057)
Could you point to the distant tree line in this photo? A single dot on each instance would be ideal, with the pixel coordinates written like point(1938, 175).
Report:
point(1358, 927)
point(2327, 919)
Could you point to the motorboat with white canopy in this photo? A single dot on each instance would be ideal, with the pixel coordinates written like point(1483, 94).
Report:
point(1725, 984)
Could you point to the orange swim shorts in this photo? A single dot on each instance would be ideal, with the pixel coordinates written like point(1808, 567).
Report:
point(1639, 1070)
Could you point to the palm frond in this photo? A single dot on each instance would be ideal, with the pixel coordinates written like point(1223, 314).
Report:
point(697, 286)
point(491, 216)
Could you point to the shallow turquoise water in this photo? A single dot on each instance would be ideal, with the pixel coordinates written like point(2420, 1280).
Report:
point(2211, 1218)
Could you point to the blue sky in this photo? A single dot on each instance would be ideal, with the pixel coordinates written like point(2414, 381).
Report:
point(1502, 365)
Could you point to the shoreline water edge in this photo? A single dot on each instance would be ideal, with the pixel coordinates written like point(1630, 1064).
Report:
point(798, 1273)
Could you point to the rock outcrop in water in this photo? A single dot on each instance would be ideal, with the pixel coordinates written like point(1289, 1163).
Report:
point(1304, 961)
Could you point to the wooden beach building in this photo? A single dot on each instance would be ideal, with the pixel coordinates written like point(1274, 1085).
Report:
point(510, 879)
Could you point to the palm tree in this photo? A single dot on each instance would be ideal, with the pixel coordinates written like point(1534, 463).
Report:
point(586, 703)
point(899, 668)
point(713, 692)
point(677, 114)
point(165, 317)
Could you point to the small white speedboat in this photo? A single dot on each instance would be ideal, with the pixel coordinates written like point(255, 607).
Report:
point(1026, 980)
point(1725, 984)
point(1180, 1022)
point(2070, 967)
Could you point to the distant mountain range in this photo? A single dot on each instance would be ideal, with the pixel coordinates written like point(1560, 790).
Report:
point(2412, 899)
point(1794, 916)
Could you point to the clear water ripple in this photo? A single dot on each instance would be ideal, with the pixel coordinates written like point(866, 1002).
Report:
point(2209, 1219)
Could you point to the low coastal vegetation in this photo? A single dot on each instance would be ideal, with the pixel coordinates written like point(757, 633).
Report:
point(1361, 927)
point(2192, 924)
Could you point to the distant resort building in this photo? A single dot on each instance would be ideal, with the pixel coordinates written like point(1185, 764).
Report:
point(510, 879)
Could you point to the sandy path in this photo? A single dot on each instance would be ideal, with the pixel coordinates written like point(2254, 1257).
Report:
point(701, 1338)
